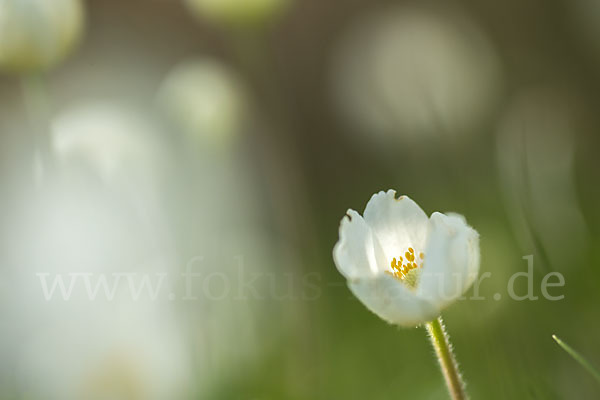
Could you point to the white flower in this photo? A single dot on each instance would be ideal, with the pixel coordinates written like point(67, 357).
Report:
point(404, 266)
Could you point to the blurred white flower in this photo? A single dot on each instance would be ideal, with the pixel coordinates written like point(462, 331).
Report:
point(412, 72)
point(400, 264)
point(98, 213)
point(535, 155)
point(37, 34)
point(237, 12)
point(205, 99)
point(86, 347)
point(117, 144)
point(77, 223)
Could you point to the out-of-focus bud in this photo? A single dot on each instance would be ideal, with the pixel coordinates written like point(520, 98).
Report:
point(237, 12)
point(415, 72)
point(37, 34)
point(204, 99)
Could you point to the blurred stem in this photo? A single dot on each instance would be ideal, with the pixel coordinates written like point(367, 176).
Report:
point(578, 357)
point(443, 349)
point(37, 106)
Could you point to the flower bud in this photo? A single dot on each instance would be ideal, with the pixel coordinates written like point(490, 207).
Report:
point(206, 100)
point(37, 34)
point(237, 12)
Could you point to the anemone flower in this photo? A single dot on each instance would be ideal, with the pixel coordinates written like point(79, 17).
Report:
point(407, 267)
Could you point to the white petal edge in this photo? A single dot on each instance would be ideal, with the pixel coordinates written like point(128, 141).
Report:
point(357, 253)
point(396, 223)
point(392, 301)
point(451, 259)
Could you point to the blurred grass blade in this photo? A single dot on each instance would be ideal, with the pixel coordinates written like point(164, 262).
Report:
point(584, 363)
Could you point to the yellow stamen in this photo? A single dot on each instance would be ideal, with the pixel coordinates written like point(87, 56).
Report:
point(400, 269)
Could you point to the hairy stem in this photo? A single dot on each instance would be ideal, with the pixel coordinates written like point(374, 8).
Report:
point(443, 349)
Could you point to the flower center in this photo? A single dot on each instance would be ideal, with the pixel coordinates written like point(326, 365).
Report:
point(405, 269)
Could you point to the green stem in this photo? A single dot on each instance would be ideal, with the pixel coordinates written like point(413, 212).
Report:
point(578, 357)
point(443, 349)
point(38, 110)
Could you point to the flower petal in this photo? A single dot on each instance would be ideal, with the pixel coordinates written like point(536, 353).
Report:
point(451, 259)
point(396, 223)
point(357, 253)
point(392, 301)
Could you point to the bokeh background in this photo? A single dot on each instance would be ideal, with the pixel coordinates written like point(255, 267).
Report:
point(228, 138)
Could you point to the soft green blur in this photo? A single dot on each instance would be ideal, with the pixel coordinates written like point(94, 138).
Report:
point(167, 141)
